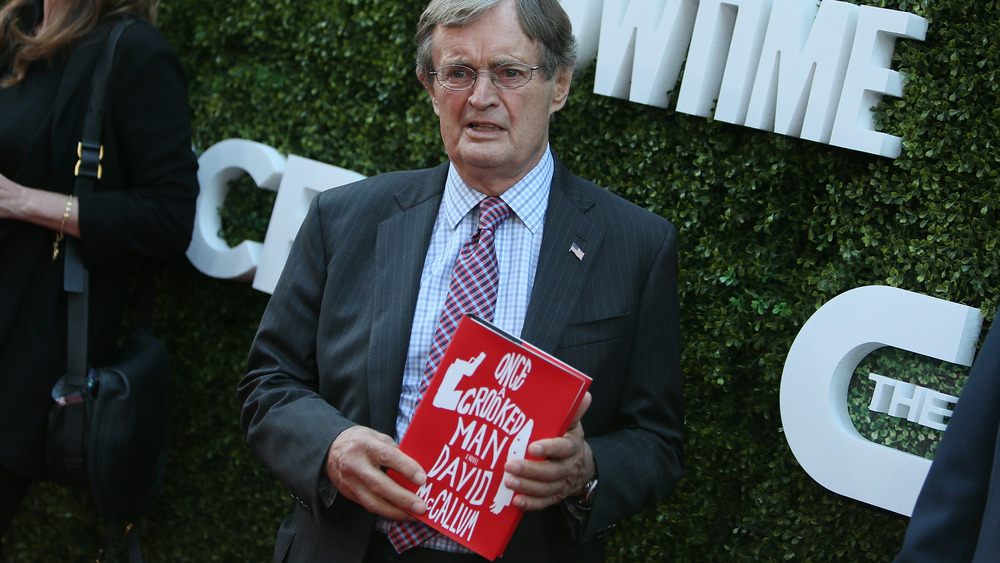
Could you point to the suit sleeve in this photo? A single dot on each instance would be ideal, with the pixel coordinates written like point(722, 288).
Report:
point(286, 420)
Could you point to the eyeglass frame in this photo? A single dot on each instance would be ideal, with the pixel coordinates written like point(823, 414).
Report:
point(492, 73)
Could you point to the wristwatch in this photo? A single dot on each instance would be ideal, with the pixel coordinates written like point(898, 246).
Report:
point(580, 506)
point(589, 489)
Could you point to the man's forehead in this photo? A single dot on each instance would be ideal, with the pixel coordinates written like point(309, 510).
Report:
point(482, 45)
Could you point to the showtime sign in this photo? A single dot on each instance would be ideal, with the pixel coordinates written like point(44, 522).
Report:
point(803, 68)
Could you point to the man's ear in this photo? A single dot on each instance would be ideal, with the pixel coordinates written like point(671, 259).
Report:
point(428, 83)
point(560, 91)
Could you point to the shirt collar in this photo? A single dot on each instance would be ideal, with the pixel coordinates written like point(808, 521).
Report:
point(528, 198)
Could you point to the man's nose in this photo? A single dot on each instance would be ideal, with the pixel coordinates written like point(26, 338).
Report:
point(484, 91)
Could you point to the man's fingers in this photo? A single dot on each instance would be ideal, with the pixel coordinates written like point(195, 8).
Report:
point(386, 455)
point(567, 463)
point(554, 448)
point(532, 494)
point(386, 499)
point(584, 405)
point(355, 465)
point(385, 491)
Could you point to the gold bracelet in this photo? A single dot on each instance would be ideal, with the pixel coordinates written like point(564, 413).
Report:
point(62, 226)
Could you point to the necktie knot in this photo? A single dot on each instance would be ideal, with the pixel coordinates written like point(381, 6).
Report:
point(492, 212)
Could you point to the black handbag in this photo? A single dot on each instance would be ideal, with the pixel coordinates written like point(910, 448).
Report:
point(109, 428)
point(113, 433)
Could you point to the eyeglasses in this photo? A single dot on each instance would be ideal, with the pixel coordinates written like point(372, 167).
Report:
point(507, 76)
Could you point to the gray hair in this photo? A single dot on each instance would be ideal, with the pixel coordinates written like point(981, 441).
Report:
point(543, 21)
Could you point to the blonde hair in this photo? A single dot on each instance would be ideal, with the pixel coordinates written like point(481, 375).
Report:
point(22, 48)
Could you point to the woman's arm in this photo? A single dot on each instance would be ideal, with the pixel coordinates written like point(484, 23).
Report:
point(51, 210)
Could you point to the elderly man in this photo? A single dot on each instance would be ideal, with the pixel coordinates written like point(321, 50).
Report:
point(367, 301)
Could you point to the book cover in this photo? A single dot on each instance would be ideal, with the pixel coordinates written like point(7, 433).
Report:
point(492, 395)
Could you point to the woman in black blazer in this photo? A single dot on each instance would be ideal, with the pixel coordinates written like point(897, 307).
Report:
point(141, 208)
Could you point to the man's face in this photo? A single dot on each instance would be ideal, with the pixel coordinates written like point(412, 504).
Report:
point(494, 136)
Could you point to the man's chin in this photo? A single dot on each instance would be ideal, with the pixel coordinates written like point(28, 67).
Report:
point(483, 156)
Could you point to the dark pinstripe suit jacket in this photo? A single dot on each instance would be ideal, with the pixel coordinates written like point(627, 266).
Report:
point(330, 349)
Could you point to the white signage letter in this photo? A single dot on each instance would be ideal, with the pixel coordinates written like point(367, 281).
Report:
point(936, 409)
point(723, 57)
point(217, 166)
point(642, 47)
point(802, 67)
point(884, 389)
point(303, 179)
point(818, 372)
point(586, 18)
point(907, 401)
point(869, 77)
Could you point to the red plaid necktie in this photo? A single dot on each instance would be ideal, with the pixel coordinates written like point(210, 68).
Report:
point(473, 290)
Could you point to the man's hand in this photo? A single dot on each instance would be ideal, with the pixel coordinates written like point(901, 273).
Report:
point(567, 465)
point(355, 465)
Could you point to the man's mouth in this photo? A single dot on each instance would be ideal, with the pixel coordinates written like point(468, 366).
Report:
point(484, 128)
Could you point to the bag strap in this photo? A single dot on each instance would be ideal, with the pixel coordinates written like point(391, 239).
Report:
point(76, 277)
point(88, 170)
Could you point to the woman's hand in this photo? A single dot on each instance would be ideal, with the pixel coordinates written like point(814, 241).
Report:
point(52, 210)
point(10, 196)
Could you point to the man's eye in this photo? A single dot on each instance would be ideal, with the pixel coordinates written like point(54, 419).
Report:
point(511, 72)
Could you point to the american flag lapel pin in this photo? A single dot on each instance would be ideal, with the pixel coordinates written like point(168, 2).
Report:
point(576, 251)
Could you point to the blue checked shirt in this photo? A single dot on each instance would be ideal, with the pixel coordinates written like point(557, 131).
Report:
point(518, 242)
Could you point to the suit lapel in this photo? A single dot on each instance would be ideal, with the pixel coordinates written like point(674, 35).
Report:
point(400, 247)
point(561, 274)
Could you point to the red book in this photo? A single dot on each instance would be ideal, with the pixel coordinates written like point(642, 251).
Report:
point(492, 395)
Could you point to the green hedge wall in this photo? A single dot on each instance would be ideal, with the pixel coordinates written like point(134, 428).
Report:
point(771, 228)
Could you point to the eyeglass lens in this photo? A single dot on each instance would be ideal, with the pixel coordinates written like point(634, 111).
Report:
point(461, 77)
